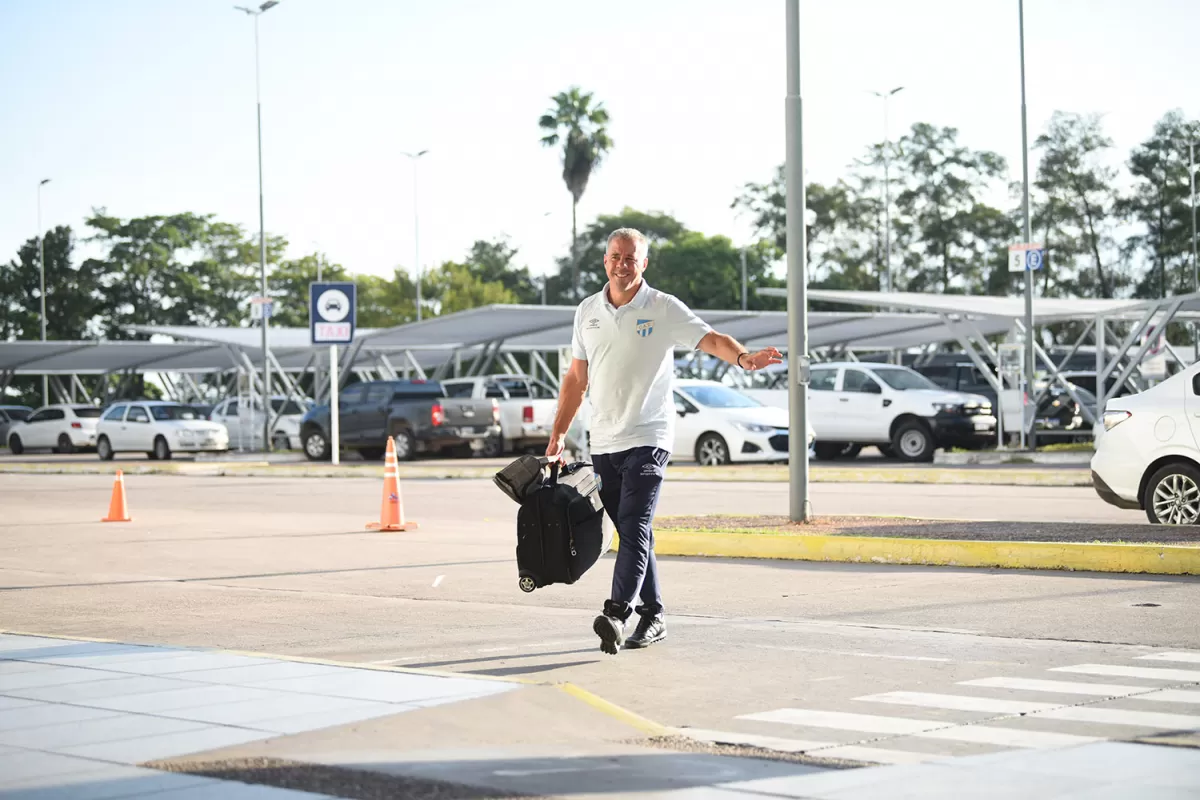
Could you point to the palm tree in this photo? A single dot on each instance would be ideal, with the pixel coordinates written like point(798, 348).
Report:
point(580, 127)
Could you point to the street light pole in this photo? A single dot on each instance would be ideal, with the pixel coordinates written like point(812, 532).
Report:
point(42, 275)
point(1030, 364)
point(416, 231)
point(797, 271)
point(1192, 176)
point(262, 231)
point(887, 192)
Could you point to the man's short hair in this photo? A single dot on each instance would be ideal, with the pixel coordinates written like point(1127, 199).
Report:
point(630, 235)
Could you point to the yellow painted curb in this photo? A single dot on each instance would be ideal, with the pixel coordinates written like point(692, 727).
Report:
point(1074, 556)
point(615, 711)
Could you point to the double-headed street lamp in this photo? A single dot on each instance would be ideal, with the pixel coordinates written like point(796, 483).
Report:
point(416, 230)
point(887, 194)
point(42, 274)
point(262, 233)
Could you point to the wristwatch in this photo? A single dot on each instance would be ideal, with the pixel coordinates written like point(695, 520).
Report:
point(739, 359)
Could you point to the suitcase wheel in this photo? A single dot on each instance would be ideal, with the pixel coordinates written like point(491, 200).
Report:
point(527, 583)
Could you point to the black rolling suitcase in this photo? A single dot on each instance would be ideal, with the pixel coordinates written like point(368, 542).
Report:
point(560, 524)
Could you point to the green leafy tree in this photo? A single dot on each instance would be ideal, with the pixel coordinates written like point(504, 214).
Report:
point(384, 303)
point(289, 286)
point(1159, 202)
point(494, 262)
point(580, 128)
point(73, 299)
point(593, 243)
point(456, 287)
point(1077, 209)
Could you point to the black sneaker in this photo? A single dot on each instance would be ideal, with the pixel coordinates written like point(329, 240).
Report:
point(611, 632)
point(650, 630)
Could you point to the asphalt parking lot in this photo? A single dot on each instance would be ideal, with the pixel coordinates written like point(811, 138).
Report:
point(286, 566)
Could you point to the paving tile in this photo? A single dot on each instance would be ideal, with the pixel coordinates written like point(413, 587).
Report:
point(273, 706)
point(9, 703)
point(270, 671)
point(27, 765)
point(55, 648)
point(50, 675)
point(1174, 767)
point(935, 782)
point(41, 714)
point(137, 751)
point(56, 738)
point(103, 658)
point(328, 719)
point(11, 641)
point(387, 687)
point(94, 690)
point(13, 667)
point(229, 790)
point(188, 662)
point(1125, 791)
point(109, 781)
point(193, 697)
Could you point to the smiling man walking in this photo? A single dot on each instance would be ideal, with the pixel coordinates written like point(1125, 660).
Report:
point(623, 351)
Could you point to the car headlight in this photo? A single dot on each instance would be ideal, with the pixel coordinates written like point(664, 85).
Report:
point(947, 408)
point(753, 427)
point(1114, 418)
point(187, 437)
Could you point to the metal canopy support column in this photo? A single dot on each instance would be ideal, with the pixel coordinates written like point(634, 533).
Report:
point(511, 361)
point(59, 390)
point(540, 363)
point(1101, 330)
point(1134, 332)
point(1065, 360)
point(349, 356)
point(87, 396)
point(416, 365)
point(385, 368)
point(1136, 361)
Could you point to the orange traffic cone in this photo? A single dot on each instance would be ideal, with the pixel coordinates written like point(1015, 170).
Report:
point(117, 510)
point(391, 513)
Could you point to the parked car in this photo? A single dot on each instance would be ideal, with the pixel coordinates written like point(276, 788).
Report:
point(10, 415)
point(243, 420)
point(527, 408)
point(719, 425)
point(63, 428)
point(898, 410)
point(1146, 451)
point(417, 415)
point(158, 429)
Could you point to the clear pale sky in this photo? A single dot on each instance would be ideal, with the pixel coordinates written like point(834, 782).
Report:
point(145, 107)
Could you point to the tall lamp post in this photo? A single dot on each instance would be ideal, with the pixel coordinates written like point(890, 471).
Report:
point(416, 230)
point(887, 194)
point(262, 232)
point(42, 274)
point(1030, 364)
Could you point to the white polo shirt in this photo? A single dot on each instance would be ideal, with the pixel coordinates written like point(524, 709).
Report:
point(631, 365)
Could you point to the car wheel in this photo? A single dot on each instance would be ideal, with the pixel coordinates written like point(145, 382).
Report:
point(828, 451)
point(493, 447)
point(405, 447)
point(15, 446)
point(162, 451)
point(1173, 495)
point(104, 449)
point(65, 445)
point(913, 441)
point(712, 451)
point(371, 453)
point(281, 442)
point(316, 446)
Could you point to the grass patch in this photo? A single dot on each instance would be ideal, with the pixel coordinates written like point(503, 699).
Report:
point(1069, 447)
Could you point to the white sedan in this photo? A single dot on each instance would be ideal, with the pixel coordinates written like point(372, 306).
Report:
point(1146, 451)
point(719, 425)
point(62, 428)
point(158, 429)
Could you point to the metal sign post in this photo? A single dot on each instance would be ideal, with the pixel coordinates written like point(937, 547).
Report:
point(332, 313)
point(1027, 257)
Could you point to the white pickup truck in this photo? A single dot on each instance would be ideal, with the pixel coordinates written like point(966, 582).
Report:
point(898, 410)
point(527, 408)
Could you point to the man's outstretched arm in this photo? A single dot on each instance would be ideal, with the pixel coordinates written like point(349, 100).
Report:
point(729, 349)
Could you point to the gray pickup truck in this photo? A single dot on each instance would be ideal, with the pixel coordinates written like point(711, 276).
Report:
point(416, 414)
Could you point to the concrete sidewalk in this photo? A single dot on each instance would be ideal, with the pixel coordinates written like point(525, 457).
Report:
point(108, 720)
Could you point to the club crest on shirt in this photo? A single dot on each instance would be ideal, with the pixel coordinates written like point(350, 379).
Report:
point(645, 327)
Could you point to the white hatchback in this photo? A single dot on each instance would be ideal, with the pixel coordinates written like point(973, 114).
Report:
point(63, 428)
point(159, 429)
point(1147, 455)
point(719, 425)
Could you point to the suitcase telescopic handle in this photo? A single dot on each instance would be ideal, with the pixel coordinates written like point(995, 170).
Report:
point(544, 460)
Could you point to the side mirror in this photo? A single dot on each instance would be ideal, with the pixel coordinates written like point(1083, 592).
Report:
point(681, 411)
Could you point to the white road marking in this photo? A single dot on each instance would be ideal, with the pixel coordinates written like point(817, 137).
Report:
point(437, 580)
point(956, 702)
point(1089, 689)
point(1118, 716)
point(1151, 673)
point(850, 653)
point(821, 749)
point(924, 729)
point(1190, 658)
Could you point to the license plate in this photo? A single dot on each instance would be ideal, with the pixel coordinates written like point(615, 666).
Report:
point(983, 426)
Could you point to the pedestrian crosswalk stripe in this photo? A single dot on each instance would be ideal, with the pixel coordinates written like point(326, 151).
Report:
point(1089, 689)
point(822, 749)
point(956, 702)
point(924, 729)
point(1190, 658)
point(1150, 673)
point(1119, 716)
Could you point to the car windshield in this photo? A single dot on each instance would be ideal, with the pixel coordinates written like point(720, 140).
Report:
point(288, 407)
point(904, 379)
point(86, 412)
point(719, 397)
point(175, 412)
point(17, 413)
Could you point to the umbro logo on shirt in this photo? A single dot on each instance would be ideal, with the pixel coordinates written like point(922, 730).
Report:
point(593, 324)
point(645, 327)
